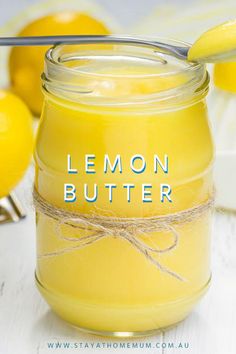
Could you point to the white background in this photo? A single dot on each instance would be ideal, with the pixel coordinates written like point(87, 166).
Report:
point(127, 11)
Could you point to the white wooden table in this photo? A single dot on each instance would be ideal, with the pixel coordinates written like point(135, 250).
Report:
point(27, 325)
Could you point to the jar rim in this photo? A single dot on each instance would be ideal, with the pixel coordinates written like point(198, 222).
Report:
point(67, 81)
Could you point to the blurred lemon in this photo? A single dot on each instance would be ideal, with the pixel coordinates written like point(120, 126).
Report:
point(224, 76)
point(26, 63)
point(16, 140)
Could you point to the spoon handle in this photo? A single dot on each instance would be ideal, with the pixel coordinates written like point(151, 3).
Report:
point(180, 52)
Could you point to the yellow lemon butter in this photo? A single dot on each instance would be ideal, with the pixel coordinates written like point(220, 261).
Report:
point(120, 119)
point(216, 44)
point(26, 63)
point(16, 140)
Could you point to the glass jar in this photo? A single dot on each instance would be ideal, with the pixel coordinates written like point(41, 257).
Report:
point(124, 134)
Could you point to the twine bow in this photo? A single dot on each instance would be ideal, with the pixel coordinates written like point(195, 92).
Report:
point(128, 229)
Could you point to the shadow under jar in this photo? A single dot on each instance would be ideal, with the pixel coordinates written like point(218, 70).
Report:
point(117, 102)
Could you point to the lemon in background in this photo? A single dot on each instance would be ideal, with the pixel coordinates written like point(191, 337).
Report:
point(224, 76)
point(26, 63)
point(16, 140)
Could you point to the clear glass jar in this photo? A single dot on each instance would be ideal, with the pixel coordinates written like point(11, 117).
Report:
point(118, 100)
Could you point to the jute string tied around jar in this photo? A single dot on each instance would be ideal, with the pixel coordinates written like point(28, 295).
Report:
point(128, 229)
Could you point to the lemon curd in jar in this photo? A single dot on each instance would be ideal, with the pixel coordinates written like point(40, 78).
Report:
point(126, 101)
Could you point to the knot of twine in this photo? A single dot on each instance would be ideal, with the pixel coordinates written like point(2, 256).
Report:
point(129, 229)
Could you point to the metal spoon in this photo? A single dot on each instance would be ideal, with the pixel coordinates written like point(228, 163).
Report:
point(176, 51)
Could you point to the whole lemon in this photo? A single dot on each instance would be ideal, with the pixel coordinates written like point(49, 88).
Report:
point(224, 76)
point(16, 140)
point(26, 63)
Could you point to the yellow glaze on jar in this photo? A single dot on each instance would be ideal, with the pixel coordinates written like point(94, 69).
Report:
point(127, 101)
